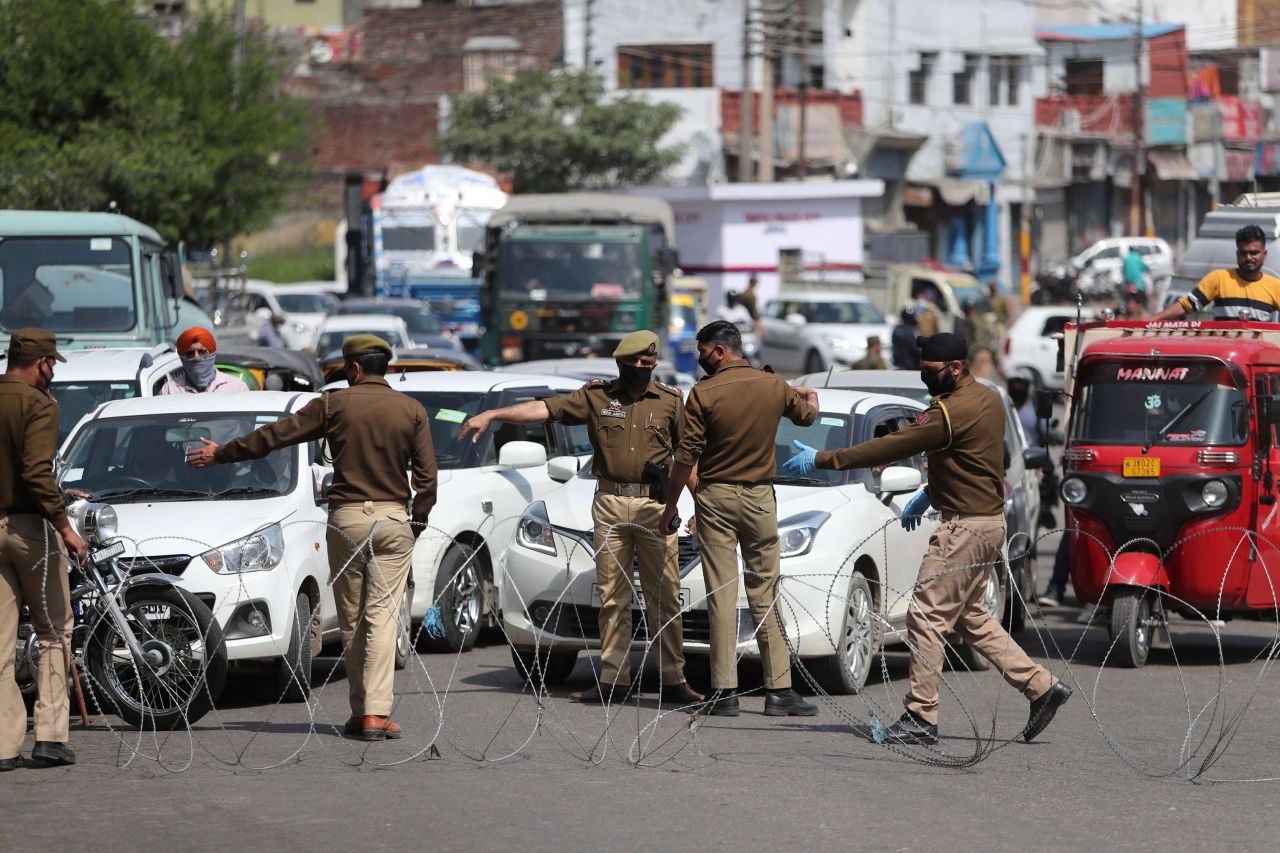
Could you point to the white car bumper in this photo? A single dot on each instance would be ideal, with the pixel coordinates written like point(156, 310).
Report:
point(271, 595)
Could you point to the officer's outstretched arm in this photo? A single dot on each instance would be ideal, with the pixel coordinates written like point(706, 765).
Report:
point(529, 412)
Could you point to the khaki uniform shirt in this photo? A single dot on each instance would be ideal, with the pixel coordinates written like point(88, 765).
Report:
point(870, 361)
point(963, 433)
point(624, 433)
point(375, 434)
point(28, 440)
point(731, 420)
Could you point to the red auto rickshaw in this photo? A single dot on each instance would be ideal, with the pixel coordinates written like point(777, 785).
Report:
point(1171, 502)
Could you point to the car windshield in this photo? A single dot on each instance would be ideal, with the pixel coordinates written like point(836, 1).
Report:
point(588, 269)
point(303, 303)
point(966, 293)
point(1166, 403)
point(66, 284)
point(331, 341)
point(128, 460)
point(418, 318)
point(77, 399)
point(446, 412)
point(828, 432)
point(684, 318)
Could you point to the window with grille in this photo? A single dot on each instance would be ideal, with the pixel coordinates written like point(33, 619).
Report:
point(962, 81)
point(918, 79)
point(489, 57)
point(665, 66)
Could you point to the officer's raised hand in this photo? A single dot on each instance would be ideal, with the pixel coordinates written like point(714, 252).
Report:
point(913, 510)
point(803, 462)
point(475, 426)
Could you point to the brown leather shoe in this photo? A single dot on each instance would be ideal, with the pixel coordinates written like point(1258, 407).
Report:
point(354, 726)
point(376, 727)
point(681, 693)
point(601, 693)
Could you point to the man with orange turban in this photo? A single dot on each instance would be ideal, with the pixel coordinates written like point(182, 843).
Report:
point(196, 348)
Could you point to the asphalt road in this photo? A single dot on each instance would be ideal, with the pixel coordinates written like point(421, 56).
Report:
point(1111, 772)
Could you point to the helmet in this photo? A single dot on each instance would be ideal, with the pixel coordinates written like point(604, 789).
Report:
point(1020, 374)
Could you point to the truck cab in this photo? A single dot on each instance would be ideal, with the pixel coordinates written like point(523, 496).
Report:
point(93, 279)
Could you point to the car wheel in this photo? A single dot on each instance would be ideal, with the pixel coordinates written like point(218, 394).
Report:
point(966, 656)
point(857, 642)
point(546, 668)
point(1131, 625)
point(404, 630)
point(459, 593)
point(813, 362)
point(293, 671)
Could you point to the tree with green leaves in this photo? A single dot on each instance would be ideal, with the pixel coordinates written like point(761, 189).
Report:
point(96, 107)
point(557, 131)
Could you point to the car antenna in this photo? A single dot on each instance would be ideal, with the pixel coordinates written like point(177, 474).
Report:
point(830, 370)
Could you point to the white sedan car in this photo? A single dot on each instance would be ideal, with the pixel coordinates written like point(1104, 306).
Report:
point(247, 539)
point(483, 488)
point(848, 566)
point(1030, 344)
point(810, 331)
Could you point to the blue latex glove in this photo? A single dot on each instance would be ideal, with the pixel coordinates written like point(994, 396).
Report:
point(803, 462)
point(913, 510)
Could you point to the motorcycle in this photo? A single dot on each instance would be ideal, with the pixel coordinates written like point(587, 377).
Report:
point(153, 653)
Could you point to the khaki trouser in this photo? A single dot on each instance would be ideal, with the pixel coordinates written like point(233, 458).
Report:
point(27, 576)
point(747, 516)
point(367, 591)
point(625, 526)
point(948, 598)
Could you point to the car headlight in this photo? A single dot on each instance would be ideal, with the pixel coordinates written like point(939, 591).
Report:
point(839, 343)
point(96, 522)
point(1074, 491)
point(796, 534)
point(301, 328)
point(260, 551)
point(534, 530)
point(750, 348)
point(1214, 493)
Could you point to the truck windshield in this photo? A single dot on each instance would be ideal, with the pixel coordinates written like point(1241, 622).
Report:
point(471, 224)
point(409, 238)
point(1165, 403)
point(67, 284)
point(583, 270)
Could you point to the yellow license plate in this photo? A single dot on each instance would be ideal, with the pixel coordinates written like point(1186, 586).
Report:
point(1141, 466)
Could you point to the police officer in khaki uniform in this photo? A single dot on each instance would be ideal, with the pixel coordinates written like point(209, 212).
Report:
point(375, 434)
point(730, 423)
point(33, 563)
point(963, 434)
point(634, 428)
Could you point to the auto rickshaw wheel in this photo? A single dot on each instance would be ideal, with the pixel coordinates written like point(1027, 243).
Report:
point(1132, 623)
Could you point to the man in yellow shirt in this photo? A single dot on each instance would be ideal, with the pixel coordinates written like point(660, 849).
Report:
point(1245, 293)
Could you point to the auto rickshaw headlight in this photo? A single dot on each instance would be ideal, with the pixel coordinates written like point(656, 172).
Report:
point(1074, 490)
point(1214, 493)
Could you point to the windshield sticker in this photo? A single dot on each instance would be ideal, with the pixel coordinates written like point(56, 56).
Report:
point(1152, 374)
point(1153, 402)
point(835, 422)
point(607, 291)
point(1198, 435)
point(100, 244)
point(266, 419)
point(453, 416)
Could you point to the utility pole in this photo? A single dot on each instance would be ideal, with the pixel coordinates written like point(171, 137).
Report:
point(1024, 236)
point(1137, 201)
point(766, 93)
point(745, 172)
point(586, 36)
point(801, 165)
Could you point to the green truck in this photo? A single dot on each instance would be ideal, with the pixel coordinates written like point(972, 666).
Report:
point(93, 279)
point(571, 275)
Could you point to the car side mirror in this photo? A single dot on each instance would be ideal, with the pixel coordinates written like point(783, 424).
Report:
point(171, 275)
point(1044, 404)
point(522, 454)
point(796, 319)
point(899, 479)
point(1035, 457)
point(562, 469)
point(324, 482)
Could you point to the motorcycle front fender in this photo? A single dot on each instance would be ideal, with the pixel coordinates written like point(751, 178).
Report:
point(1136, 568)
point(149, 579)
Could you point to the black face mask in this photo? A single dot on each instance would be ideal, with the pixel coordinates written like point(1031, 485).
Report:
point(705, 363)
point(634, 376)
point(1018, 396)
point(938, 383)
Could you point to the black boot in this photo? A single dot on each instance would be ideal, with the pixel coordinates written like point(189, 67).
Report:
point(52, 753)
point(787, 703)
point(725, 706)
point(911, 729)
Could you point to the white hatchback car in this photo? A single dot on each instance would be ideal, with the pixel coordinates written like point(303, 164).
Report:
point(303, 310)
point(337, 328)
point(1030, 343)
point(482, 490)
point(812, 330)
point(843, 595)
point(246, 539)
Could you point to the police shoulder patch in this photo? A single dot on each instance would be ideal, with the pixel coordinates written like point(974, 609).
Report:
point(670, 389)
point(597, 383)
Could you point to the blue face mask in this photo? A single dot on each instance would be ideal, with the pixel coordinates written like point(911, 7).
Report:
point(200, 370)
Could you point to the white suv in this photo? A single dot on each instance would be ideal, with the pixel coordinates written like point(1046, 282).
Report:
point(1100, 267)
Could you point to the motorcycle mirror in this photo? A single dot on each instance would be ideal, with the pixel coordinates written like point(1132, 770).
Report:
point(1044, 404)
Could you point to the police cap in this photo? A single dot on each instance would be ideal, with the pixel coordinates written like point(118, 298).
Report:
point(363, 344)
point(34, 343)
point(943, 346)
point(637, 343)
